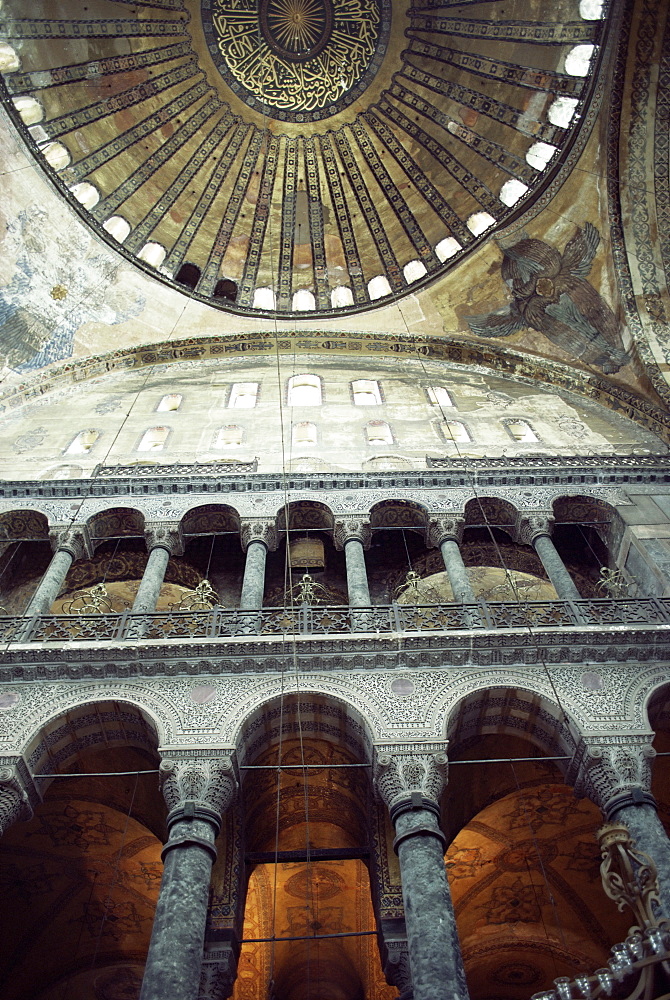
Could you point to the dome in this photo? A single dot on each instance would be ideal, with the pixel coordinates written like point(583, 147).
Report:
point(295, 156)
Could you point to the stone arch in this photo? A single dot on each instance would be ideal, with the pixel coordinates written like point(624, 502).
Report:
point(399, 514)
point(116, 522)
point(491, 511)
point(516, 711)
point(87, 725)
point(23, 525)
point(209, 519)
point(306, 514)
point(332, 717)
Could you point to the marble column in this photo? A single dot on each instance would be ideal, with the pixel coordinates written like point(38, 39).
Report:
point(18, 793)
point(535, 530)
point(354, 537)
point(163, 541)
point(616, 776)
point(68, 544)
point(446, 534)
point(257, 537)
point(197, 791)
point(410, 780)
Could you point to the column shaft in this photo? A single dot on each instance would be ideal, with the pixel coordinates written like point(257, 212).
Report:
point(434, 949)
point(152, 581)
point(650, 837)
point(357, 576)
point(253, 585)
point(555, 569)
point(50, 584)
point(175, 952)
point(456, 572)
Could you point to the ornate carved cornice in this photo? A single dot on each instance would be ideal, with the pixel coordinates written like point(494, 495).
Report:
point(441, 529)
point(198, 787)
point(259, 531)
point(613, 771)
point(354, 528)
point(18, 795)
point(74, 539)
point(529, 526)
point(410, 775)
point(164, 535)
point(514, 472)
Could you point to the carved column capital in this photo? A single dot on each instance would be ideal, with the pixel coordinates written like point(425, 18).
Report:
point(18, 794)
point(218, 970)
point(442, 529)
point(164, 535)
point(259, 531)
point(352, 528)
point(613, 772)
point(410, 775)
point(529, 526)
point(198, 787)
point(396, 968)
point(74, 539)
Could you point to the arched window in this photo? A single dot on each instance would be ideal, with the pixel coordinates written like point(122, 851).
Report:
point(539, 154)
point(304, 390)
point(454, 430)
point(303, 300)
point(230, 436)
point(31, 111)
point(56, 155)
point(511, 191)
point(225, 289)
point(578, 59)
point(152, 253)
point(82, 444)
point(446, 248)
point(479, 222)
point(378, 287)
point(438, 395)
point(304, 433)
point(264, 298)
point(117, 227)
point(9, 60)
point(243, 395)
point(171, 402)
point(154, 439)
point(414, 270)
point(188, 274)
point(86, 194)
point(366, 392)
point(341, 296)
point(521, 431)
point(562, 110)
point(378, 432)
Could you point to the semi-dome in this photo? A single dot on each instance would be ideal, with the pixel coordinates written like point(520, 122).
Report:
point(295, 156)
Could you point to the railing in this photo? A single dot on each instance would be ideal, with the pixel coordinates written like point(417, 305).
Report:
point(306, 620)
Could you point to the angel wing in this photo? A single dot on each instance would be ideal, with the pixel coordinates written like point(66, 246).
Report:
point(501, 323)
point(580, 251)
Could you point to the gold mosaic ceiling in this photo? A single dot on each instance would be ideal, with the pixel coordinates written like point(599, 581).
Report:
point(294, 155)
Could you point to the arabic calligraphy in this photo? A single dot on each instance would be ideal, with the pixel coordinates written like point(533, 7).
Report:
point(296, 56)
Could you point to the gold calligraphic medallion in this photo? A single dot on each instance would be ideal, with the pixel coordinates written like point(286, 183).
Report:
point(297, 60)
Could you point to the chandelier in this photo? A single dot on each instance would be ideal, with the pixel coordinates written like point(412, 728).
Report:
point(95, 601)
point(203, 598)
point(630, 878)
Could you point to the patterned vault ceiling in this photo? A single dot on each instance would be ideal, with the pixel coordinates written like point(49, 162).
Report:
point(329, 153)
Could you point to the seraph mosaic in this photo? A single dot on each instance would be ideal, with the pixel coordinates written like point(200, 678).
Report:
point(550, 294)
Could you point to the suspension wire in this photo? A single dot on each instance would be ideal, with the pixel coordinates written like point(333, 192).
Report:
point(115, 877)
point(543, 871)
point(511, 583)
